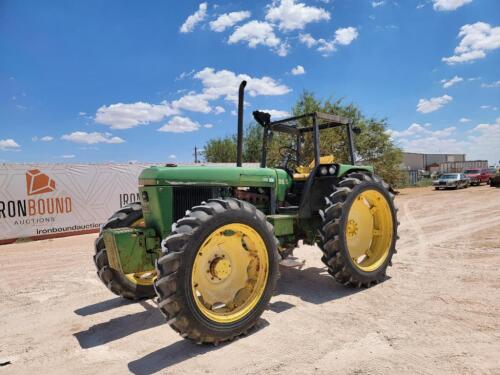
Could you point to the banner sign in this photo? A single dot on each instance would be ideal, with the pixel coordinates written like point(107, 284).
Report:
point(52, 200)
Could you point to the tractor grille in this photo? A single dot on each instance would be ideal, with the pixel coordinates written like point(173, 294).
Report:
point(186, 197)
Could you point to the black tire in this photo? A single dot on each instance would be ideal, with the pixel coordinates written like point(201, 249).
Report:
point(333, 244)
point(112, 279)
point(174, 269)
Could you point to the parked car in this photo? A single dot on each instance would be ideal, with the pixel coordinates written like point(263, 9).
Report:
point(451, 181)
point(495, 180)
point(479, 175)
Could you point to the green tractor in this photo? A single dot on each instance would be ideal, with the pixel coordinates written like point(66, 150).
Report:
point(207, 241)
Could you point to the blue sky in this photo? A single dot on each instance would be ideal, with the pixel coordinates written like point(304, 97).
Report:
point(95, 81)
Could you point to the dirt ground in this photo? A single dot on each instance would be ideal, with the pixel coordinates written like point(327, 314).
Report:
point(438, 312)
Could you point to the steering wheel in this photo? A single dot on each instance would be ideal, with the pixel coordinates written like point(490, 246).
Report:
point(287, 151)
point(289, 155)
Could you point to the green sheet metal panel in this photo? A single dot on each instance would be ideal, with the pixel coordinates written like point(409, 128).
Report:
point(283, 224)
point(157, 208)
point(345, 168)
point(131, 250)
point(203, 175)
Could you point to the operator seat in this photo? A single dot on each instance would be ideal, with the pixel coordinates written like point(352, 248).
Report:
point(302, 172)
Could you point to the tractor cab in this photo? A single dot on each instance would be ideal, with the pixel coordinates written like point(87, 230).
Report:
point(310, 181)
point(293, 154)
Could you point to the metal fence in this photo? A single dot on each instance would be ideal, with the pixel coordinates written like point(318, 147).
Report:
point(413, 177)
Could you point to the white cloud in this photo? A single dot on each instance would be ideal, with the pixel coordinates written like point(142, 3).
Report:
point(193, 102)
point(82, 113)
point(172, 156)
point(479, 143)
point(68, 156)
point(308, 40)
point(208, 126)
point(433, 104)
point(46, 138)
point(228, 20)
point(417, 131)
point(484, 141)
point(491, 85)
point(451, 82)
point(9, 145)
point(294, 16)
point(489, 107)
point(345, 36)
point(283, 49)
point(477, 39)
point(464, 120)
point(218, 110)
point(216, 85)
point(126, 116)
point(298, 70)
point(194, 19)
point(256, 33)
point(185, 75)
point(91, 138)
point(447, 5)
point(376, 4)
point(224, 83)
point(418, 138)
point(276, 114)
point(180, 124)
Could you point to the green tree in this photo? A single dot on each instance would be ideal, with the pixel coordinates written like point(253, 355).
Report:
point(373, 145)
point(220, 150)
point(223, 150)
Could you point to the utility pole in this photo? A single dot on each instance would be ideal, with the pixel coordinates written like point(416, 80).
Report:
point(196, 155)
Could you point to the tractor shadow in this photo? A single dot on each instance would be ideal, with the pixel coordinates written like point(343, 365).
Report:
point(178, 352)
point(312, 284)
point(103, 306)
point(117, 328)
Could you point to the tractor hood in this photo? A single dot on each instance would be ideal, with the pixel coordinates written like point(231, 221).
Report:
point(216, 176)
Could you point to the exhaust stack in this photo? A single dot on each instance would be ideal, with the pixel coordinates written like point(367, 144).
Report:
point(241, 103)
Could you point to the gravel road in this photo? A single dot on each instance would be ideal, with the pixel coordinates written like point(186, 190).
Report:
point(438, 311)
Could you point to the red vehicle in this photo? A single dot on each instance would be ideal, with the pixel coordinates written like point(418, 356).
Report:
point(479, 175)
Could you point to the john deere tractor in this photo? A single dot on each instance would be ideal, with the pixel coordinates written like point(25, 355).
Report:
point(207, 240)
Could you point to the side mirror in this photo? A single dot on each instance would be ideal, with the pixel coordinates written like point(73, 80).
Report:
point(356, 130)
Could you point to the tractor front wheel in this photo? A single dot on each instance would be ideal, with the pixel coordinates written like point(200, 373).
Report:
point(130, 286)
point(359, 230)
point(218, 271)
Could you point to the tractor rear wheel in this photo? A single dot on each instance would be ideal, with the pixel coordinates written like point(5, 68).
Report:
point(359, 230)
point(218, 271)
point(131, 286)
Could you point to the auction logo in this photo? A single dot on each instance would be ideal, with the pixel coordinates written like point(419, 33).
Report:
point(38, 182)
point(36, 209)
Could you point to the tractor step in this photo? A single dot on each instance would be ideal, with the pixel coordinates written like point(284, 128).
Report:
point(293, 262)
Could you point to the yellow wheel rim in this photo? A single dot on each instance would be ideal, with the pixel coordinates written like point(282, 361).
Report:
point(230, 273)
point(369, 230)
point(141, 278)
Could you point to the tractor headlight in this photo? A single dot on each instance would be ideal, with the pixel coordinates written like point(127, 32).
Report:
point(323, 171)
point(332, 170)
